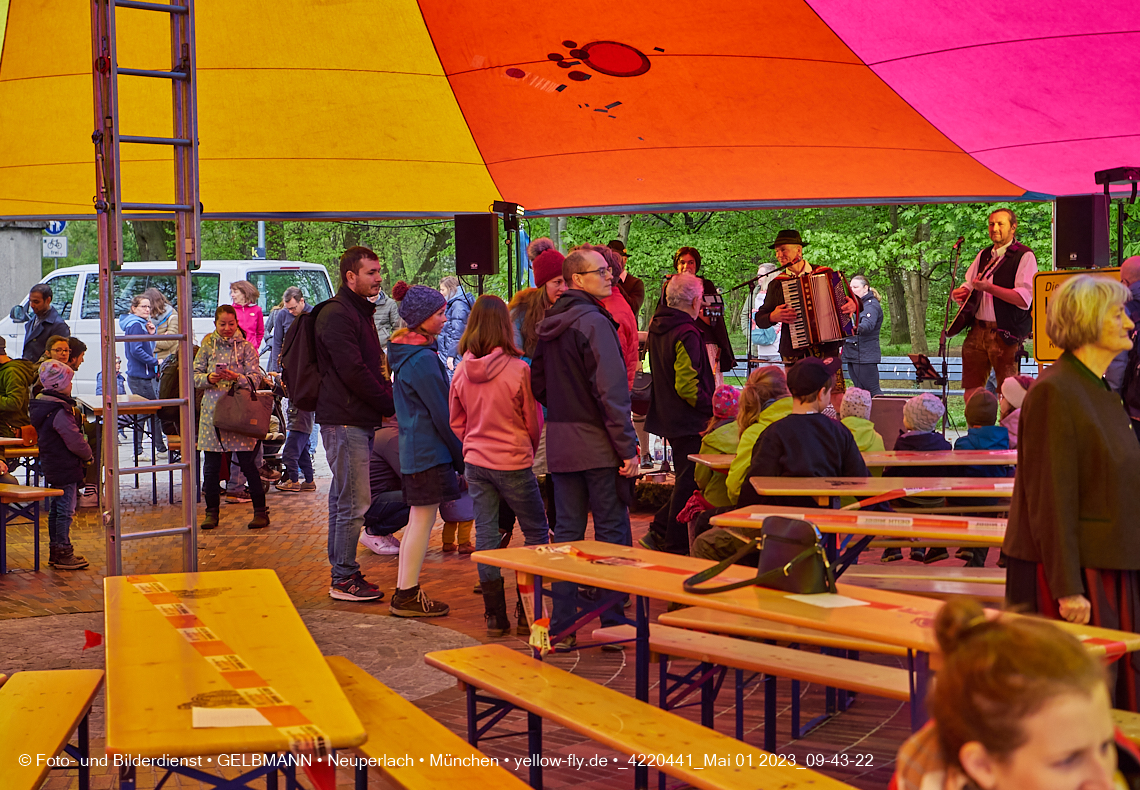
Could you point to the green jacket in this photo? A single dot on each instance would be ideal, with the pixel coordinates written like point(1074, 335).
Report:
point(16, 377)
point(866, 437)
point(722, 440)
point(743, 461)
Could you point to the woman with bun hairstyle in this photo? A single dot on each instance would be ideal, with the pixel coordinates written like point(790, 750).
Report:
point(431, 457)
point(1018, 705)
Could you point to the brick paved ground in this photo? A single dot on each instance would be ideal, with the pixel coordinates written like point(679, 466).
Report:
point(43, 616)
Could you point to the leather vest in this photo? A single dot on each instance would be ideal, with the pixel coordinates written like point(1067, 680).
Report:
point(1009, 318)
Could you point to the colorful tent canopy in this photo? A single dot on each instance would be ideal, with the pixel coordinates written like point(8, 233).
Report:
point(344, 108)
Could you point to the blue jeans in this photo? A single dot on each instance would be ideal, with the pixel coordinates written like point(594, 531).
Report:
point(296, 454)
point(347, 449)
point(578, 494)
point(61, 512)
point(518, 488)
point(387, 514)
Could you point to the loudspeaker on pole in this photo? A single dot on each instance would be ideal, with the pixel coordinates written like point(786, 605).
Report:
point(1081, 232)
point(476, 244)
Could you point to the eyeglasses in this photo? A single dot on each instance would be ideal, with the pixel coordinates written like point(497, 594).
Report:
point(602, 271)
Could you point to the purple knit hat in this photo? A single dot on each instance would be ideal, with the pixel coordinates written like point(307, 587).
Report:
point(419, 303)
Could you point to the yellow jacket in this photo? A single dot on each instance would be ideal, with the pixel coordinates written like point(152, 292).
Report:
point(740, 465)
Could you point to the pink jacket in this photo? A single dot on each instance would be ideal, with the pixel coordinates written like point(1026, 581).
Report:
point(252, 322)
point(627, 331)
point(493, 411)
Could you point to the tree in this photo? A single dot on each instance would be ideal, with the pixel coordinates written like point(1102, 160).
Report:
point(155, 240)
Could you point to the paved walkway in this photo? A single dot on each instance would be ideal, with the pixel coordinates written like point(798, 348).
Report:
point(43, 616)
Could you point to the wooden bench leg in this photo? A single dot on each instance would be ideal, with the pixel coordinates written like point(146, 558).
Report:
point(534, 743)
point(770, 711)
point(84, 751)
point(361, 776)
point(919, 678)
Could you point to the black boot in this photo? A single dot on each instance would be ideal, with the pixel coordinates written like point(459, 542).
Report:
point(495, 606)
point(523, 627)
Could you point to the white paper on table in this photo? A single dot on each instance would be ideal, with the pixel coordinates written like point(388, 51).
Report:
point(228, 717)
point(828, 600)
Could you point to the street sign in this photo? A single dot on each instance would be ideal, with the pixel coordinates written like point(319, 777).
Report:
point(1044, 284)
point(55, 246)
point(54, 228)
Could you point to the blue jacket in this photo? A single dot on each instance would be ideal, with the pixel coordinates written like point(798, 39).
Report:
point(419, 390)
point(458, 309)
point(36, 335)
point(985, 437)
point(141, 361)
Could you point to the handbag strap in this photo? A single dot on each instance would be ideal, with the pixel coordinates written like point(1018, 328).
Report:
point(690, 584)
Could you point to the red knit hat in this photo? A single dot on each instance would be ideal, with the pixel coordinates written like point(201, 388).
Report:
point(547, 266)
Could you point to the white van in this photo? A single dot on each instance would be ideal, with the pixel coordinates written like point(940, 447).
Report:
point(75, 294)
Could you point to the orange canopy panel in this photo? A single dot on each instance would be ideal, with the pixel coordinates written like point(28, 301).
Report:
point(339, 108)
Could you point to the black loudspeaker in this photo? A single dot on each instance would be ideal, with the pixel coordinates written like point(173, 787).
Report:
point(476, 244)
point(1081, 232)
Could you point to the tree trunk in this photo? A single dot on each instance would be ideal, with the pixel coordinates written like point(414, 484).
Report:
point(917, 297)
point(896, 306)
point(558, 227)
point(624, 224)
point(398, 272)
point(151, 238)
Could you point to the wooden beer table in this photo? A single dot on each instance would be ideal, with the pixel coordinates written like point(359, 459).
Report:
point(720, 462)
point(217, 648)
point(882, 489)
point(21, 501)
point(878, 615)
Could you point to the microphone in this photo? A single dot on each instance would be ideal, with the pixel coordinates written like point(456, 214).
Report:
point(958, 243)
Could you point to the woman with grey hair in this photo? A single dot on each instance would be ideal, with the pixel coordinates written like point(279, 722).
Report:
point(1073, 542)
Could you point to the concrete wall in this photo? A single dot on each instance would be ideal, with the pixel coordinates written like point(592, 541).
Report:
point(21, 261)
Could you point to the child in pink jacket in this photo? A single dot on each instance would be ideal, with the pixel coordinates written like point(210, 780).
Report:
point(495, 415)
point(244, 295)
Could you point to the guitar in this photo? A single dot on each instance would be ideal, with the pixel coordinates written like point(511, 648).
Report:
point(969, 308)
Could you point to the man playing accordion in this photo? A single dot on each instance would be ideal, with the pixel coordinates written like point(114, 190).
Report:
point(776, 310)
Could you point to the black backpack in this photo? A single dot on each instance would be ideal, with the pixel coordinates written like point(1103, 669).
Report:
point(299, 369)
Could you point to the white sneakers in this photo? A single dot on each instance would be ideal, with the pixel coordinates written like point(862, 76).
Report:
point(380, 544)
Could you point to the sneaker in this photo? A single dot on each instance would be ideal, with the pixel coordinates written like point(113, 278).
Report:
point(648, 541)
point(269, 475)
point(308, 485)
point(380, 544)
point(89, 499)
point(964, 554)
point(354, 589)
point(891, 555)
point(289, 486)
point(936, 555)
point(241, 495)
point(415, 603)
point(358, 576)
point(611, 647)
point(466, 548)
point(567, 645)
point(918, 555)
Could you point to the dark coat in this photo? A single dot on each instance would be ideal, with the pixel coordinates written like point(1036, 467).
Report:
point(353, 388)
point(863, 348)
point(63, 446)
point(715, 332)
point(633, 289)
point(1076, 498)
point(579, 375)
point(680, 402)
point(773, 298)
point(36, 336)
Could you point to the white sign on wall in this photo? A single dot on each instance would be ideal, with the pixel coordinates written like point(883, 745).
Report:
point(55, 246)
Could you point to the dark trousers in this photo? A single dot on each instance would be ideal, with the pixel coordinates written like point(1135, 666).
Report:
point(212, 475)
point(667, 533)
point(865, 376)
point(580, 494)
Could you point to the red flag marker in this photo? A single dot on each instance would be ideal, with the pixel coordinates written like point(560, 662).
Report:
point(92, 639)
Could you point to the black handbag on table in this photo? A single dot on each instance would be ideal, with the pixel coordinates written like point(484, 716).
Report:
point(792, 559)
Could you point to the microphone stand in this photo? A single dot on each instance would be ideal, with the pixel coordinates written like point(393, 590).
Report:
point(751, 362)
point(943, 340)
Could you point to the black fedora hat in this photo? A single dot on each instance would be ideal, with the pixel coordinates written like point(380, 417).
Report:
point(788, 237)
point(618, 246)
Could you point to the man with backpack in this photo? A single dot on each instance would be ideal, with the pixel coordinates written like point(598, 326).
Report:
point(295, 454)
point(352, 399)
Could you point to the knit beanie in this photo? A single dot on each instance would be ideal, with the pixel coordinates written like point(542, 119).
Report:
point(419, 304)
point(545, 260)
point(726, 402)
point(1014, 388)
point(55, 375)
point(982, 409)
point(922, 412)
point(856, 403)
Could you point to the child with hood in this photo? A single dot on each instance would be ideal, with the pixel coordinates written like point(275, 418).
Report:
point(495, 414)
point(431, 457)
point(720, 438)
point(1013, 392)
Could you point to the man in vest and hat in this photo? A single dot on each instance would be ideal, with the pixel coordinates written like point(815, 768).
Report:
point(789, 247)
point(1002, 276)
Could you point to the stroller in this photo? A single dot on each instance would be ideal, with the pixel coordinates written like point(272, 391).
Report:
point(273, 466)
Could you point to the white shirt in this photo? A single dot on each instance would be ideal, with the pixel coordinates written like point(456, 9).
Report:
point(1022, 281)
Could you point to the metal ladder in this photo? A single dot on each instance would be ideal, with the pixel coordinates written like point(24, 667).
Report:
point(186, 212)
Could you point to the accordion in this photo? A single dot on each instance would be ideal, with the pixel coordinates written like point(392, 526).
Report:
point(818, 298)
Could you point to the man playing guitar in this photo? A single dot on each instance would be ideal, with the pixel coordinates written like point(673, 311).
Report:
point(996, 300)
